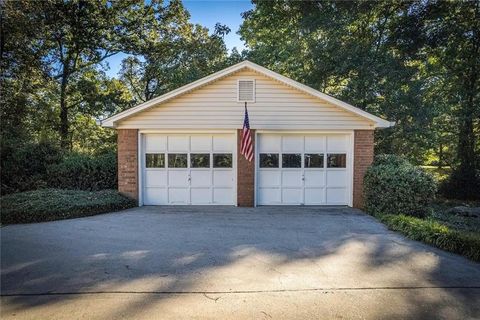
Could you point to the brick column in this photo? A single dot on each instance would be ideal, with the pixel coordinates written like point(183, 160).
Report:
point(245, 175)
point(127, 144)
point(363, 157)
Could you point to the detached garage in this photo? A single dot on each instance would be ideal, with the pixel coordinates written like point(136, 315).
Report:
point(184, 148)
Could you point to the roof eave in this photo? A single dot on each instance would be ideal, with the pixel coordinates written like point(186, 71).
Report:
point(110, 122)
point(379, 122)
point(383, 124)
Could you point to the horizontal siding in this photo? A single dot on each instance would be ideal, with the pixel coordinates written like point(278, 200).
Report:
point(215, 106)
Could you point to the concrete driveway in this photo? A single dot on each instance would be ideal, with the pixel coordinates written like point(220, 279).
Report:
point(223, 262)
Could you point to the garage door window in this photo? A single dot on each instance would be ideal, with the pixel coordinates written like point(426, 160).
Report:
point(268, 160)
point(177, 160)
point(337, 160)
point(291, 160)
point(199, 160)
point(155, 160)
point(313, 160)
point(222, 160)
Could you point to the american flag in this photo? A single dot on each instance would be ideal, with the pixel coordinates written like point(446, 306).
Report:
point(247, 145)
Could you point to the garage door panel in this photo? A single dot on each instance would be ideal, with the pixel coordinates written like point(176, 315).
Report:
point(155, 196)
point(314, 144)
point(292, 179)
point(177, 178)
point(292, 144)
point(314, 196)
point(222, 178)
point(155, 178)
point(337, 143)
point(201, 178)
point(292, 195)
point(336, 195)
point(269, 143)
point(269, 195)
point(155, 143)
point(201, 143)
point(222, 195)
point(269, 178)
point(314, 178)
point(178, 195)
point(336, 178)
point(178, 143)
point(201, 195)
point(223, 143)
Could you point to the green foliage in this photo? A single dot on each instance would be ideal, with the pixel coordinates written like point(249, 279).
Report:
point(53, 62)
point(60, 45)
point(392, 185)
point(89, 138)
point(56, 204)
point(185, 52)
point(462, 222)
point(24, 167)
point(440, 174)
point(39, 165)
point(390, 160)
point(413, 62)
point(435, 233)
point(452, 46)
point(461, 184)
point(84, 172)
point(363, 52)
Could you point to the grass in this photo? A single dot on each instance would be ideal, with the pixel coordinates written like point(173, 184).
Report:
point(441, 229)
point(56, 204)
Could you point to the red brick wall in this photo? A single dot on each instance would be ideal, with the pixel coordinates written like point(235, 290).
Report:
point(246, 175)
point(127, 143)
point(363, 157)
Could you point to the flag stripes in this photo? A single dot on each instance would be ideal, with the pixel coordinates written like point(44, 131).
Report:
point(246, 146)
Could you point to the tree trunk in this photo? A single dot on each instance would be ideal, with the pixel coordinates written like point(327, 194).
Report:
point(466, 143)
point(64, 124)
point(440, 156)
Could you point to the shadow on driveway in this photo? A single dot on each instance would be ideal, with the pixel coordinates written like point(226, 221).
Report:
point(280, 262)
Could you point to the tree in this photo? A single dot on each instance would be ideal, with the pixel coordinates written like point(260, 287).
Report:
point(365, 53)
point(452, 31)
point(180, 53)
point(70, 37)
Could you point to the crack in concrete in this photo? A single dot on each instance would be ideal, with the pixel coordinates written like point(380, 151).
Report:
point(52, 293)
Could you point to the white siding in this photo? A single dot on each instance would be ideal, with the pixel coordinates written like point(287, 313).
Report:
point(215, 106)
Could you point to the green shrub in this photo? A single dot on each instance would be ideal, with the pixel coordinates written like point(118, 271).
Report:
point(393, 185)
point(41, 165)
point(435, 233)
point(84, 172)
point(56, 204)
point(24, 167)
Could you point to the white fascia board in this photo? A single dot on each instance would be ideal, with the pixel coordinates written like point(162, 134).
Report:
point(379, 122)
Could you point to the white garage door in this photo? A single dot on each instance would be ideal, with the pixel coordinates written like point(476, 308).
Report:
point(303, 169)
point(188, 169)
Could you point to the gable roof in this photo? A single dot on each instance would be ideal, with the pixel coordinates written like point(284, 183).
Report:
point(111, 122)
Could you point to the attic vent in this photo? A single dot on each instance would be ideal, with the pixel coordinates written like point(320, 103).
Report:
point(246, 91)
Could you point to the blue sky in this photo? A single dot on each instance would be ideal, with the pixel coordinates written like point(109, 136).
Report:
point(206, 13)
